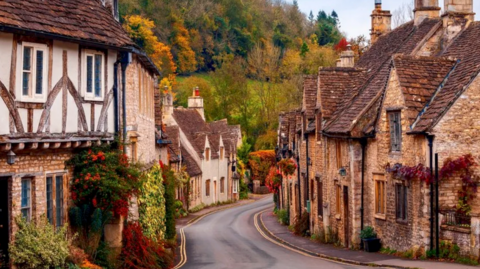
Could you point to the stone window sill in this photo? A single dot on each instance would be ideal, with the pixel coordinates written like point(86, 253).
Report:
point(338, 217)
point(401, 221)
point(380, 217)
point(462, 230)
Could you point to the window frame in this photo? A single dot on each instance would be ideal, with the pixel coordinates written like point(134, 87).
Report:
point(380, 196)
point(207, 188)
point(207, 154)
point(222, 153)
point(320, 198)
point(338, 153)
point(57, 221)
point(134, 148)
point(33, 96)
point(91, 96)
point(235, 186)
point(401, 203)
point(29, 206)
point(222, 185)
point(338, 199)
point(394, 118)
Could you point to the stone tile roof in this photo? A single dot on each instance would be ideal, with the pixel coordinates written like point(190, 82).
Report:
point(466, 48)
point(419, 78)
point(377, 62)
point(192, 167)
point(337, 85)
point(310, 86)
point(193, 126)
point(228, 132)
point(173, 134)
point(87, 21)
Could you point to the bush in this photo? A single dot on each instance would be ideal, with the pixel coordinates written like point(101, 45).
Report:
point(169, 182)
point(243, 190)
point(197, 208)
point(301, 225)
point(282, 216)
point(140, 252)
point(39, 245)
point(368, 233)
point(151, 204)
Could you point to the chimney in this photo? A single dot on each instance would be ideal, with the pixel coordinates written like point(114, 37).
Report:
point(381, 22)
point(196, 102)
point(167, 109)
point(112, 5)
point(460, 8)
point(347, 58)
point(426, 9)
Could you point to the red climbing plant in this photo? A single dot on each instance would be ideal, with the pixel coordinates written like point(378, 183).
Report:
point(273, 180)
point(287, 166)
point(462, 167)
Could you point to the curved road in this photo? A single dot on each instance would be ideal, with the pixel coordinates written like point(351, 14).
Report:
point(229, 239)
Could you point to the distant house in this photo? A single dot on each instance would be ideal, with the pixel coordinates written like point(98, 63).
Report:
point(412, 94)
point(61, 89)
point(208, 150)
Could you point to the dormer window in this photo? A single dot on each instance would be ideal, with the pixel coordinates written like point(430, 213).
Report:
point(93, 79)
point(207, 154)
point(33, 80)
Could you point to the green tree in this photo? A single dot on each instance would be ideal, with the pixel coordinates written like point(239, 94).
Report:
point(304, 50)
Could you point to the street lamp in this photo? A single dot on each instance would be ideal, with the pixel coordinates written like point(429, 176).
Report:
point(11, 158)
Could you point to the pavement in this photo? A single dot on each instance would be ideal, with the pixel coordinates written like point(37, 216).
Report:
point(232, 238)
point(281, 234)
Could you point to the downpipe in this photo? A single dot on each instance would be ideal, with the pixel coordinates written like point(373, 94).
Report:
point(125, 61)
point(430, 147)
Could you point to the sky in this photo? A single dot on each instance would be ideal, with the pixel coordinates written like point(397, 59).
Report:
point(355, 14)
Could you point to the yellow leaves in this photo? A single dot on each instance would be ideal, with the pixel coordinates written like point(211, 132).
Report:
point(140, 30)
point(181, 42)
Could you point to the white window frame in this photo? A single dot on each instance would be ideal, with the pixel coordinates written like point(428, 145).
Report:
point(235, 185)
point(91, 96)
point(33, 96)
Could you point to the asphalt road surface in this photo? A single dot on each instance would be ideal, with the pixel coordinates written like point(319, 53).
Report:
point(229, 239)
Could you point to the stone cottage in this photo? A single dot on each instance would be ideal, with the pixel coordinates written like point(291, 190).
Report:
point(411, 95)
point(208, 150)
point(67, 71)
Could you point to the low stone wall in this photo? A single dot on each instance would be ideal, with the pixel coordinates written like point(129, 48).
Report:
point(457, 235)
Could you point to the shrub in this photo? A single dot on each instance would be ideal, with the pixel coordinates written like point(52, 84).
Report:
point(243, 190)
point(301, 224)
point(282, 216)
point(140, 252)
point(368, 233)
point(151, 204)
point(319, 236)
point(169, 183)
point(39, 245)
point(260, 163)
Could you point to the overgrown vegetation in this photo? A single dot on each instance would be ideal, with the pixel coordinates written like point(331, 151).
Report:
point(282, 216)
point(39, 245)
point(170, 209)
point(301, 224)
point(260, 163)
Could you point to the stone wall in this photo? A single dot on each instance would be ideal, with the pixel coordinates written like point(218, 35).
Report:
point(35, 165)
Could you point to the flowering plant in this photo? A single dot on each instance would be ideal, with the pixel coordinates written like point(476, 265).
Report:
point(103, 178)
point(273, 180)
point(288, 166)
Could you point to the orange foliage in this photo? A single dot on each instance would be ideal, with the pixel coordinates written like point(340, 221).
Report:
point(260, 163)
point(180, 40)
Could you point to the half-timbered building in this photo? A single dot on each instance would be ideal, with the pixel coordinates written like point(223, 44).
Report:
point(65, 83)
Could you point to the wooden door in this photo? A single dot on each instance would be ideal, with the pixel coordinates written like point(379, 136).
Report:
point(346, 217)
point(215, 191)
point(4, 216)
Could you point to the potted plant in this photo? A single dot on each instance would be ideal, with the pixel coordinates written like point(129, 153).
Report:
point(370, 241)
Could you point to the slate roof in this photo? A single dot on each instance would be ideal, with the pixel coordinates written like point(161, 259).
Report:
point(337, 85)
point(173, 134)
point(228, 132)
point(377, 63)
point(84, 21)
point(419, 78)
point(193, 169)
point(193, 126)
point(466, 48)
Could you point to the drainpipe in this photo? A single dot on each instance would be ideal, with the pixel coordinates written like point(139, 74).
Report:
point(437, 236)
point(298, 182)
point(307, 194)
point(125, 61)
point(116, 98)
point(430, 146)
point(363, 142)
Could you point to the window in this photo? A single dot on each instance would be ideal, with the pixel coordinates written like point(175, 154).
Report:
point(221, 153)
point(222, 185)
point(401, 197)
point(55, 211)
point(320, 198)
point(27, 198)
point(235, 186)
point(395, 131)
point(207, 154)
point(380, 196)
point(338, 153)
point(319, 127)
point(133, 141)
point(338, 190)
point(33, 72)
point(207, 188)
point(94, 64)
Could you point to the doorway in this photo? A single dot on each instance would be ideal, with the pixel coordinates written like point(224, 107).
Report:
point(215, 191)
point(346, 222)
point(4, 221)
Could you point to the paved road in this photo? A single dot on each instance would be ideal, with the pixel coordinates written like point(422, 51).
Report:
point(229, 239)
